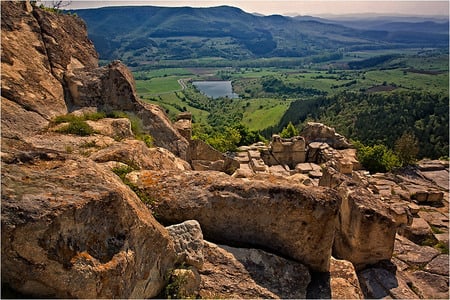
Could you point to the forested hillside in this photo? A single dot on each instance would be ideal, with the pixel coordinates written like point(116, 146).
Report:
point(137, 35)
point(380, 118)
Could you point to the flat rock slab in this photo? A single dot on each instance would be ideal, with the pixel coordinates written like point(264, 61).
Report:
point(439, 265)
point(430, 286)
point(411, 253)
point(441, 178)
point(435, 218)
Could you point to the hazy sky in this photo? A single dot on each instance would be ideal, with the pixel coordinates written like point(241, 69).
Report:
point(304, 7)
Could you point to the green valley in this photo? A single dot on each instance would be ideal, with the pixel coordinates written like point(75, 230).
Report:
point(370, 80)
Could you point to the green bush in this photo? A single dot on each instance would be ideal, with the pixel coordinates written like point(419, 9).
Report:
point(377, 158)
point(77, 127)
point(289, 131)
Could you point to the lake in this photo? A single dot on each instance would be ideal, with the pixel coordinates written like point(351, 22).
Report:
point(216, 89)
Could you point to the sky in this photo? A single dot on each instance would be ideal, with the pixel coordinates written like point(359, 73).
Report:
point(303, 7)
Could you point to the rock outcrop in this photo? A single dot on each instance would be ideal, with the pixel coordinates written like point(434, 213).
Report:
point(56, 72)
point(317, 132)
point(239, 273)
point(366, 231)
point(287, 219)
point(71, 228)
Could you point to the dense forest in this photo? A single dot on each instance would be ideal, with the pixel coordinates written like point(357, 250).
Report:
point(379, 118)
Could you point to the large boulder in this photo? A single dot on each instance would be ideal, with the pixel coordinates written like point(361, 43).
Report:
point(366, 230)
point(71, 229)
point(288, 219)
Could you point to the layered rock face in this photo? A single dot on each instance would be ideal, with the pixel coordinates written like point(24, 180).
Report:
point(288, 219)
point(112, 88)
point(70, 228)
point(50, 68)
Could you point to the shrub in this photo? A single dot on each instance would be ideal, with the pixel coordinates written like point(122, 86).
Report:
point(289, 131)
point(377, 158)
point(77, 127)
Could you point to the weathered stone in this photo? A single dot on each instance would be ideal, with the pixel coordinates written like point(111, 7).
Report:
point(279, 170)
point(244, 171)
point(118, 129)
point(344, 281)
point(430, 286)
point(440, 178)
point(138, 155)
point(200, 151)
point(366, 231)
point(380, 283)
point(223, 276)
point(435, 218)
point(413, 208)
point(315, 174)
point(288, 219)
point(401, 214)
point(70, 228)
point(184, 125)
point(317, 132)
point(285, 278)
point(184, 283)
point(418, 231)
point(251, 273)
point(413, 254)
point(439, 265)
point(112, 88)
point(31, 94)
point(257, 165)
point(430, 165)
point(188, 241)
point(285, 151)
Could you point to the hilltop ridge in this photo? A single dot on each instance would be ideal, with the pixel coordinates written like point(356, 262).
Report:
point(145, 33)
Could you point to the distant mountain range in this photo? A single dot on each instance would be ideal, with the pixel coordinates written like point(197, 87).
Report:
point(148, 33)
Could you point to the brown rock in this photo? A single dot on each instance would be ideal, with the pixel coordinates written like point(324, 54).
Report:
point(204, 157)
point(435, 218)
point(292, 220)
point(413, 254)
point(418, 231)
point(118, 129)
point(139, 156)
point(31, 94)
point(439, 265)
point(112, 88)
point(284, 278)
point(250, 273)
point(223, 276)
point(430, 286)
point(71, 229)
point(188, 241)
point(366, 231)
point(317, 132)
point(344, 281)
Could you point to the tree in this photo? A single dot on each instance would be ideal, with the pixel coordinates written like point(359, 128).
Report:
point(406, 148)
point(56, 4)
point(289, 131)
